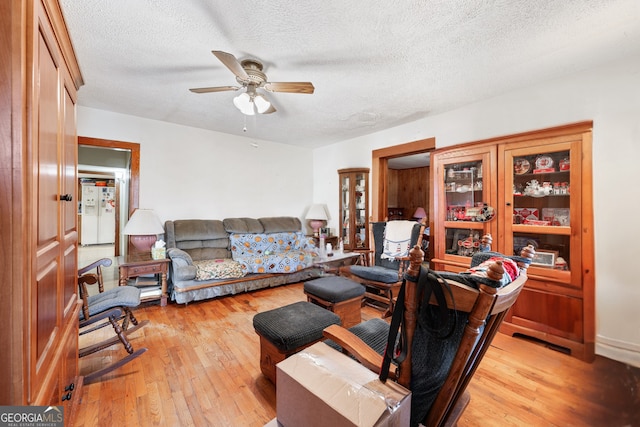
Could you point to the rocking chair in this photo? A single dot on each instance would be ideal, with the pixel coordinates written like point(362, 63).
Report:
point(382, 280)
point(111, 307)
point(437, 367)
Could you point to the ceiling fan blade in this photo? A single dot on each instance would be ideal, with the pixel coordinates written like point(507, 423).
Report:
point(214, 89)
point(291, 87)
point(231, 63)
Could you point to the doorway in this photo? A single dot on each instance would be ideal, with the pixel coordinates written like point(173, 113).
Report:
point(381, 191)
point(110, 158)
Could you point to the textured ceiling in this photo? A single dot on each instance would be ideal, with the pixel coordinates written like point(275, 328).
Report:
point(374, 64)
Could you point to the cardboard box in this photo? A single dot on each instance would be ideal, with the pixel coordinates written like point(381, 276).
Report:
point(556, 216)
point(321, 387)
point(526, 213)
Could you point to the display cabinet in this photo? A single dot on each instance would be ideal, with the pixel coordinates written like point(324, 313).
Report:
point(354, 208)
point(539, 186)
point(465, 191)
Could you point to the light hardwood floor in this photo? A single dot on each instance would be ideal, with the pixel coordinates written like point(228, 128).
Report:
point(202, 369)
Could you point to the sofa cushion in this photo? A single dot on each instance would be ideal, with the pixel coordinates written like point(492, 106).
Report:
point(242, 225)
point(182, 267)
point(375, 273)
point(198, 229)
point(279, 224)
point(218, 269)
point(181, 257)
point(201, 238)
point(201, 254)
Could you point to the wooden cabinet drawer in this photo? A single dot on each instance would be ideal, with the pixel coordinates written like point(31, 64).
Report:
point(145, 269)
point(553, 314)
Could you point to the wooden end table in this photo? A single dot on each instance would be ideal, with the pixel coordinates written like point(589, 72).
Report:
point(331, 264)
point(135, 265)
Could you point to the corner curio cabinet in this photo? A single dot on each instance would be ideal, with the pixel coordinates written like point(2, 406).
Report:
point(532, 188)
point(354, 208)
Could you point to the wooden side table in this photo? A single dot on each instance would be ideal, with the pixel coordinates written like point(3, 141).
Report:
point(331, 239)
point(333, 263)
point(136, 265)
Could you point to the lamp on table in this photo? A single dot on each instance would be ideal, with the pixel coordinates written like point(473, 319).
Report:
point(317, 215)
point(419, 214)
point(143, 229)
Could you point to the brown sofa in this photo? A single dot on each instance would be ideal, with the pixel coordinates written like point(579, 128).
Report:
point(209, 239)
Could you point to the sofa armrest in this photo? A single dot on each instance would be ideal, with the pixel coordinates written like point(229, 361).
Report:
point(181, 265)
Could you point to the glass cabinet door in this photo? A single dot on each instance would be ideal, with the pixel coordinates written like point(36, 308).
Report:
point(360, 199)
point(354, 208)
point(543, 208)
point(466, 199)
point(345, 198)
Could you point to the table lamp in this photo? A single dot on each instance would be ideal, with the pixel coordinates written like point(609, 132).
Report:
point(419, 214)
point(317, 215)
point(143, 229)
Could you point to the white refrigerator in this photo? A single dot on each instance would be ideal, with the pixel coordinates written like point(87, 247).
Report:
point(98, 215)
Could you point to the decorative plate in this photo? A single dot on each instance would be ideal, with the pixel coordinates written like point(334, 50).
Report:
point(521, 166)
point(544, 162)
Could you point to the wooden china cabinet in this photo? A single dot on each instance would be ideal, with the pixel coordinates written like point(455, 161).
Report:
point(527, 188)
point(39, 364)
point(354, 208)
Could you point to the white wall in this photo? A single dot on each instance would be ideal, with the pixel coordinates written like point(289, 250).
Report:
point(187, 172)
point(610, 96)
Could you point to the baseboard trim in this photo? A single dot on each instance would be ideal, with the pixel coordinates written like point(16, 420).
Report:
point(621, 351)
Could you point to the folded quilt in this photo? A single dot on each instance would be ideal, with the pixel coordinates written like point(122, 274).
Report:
point(284, 262)
point(284, 252)
point(397, 239)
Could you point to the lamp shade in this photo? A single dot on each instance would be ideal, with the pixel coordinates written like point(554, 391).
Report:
point(244, 103)
point(317, 211)
point(316, 215)
point(261, 103)
point(143, 227)
point(420, 213)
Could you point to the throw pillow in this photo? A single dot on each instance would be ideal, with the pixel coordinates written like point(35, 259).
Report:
point(218, 269)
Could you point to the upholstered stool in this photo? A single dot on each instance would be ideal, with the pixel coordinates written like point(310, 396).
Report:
point(339, 295)
point(287, 330)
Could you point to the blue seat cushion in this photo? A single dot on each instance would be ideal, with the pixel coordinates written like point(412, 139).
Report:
point(375, 273)
point(294, 325)
point(334, 288)
point(374, 332)
point(122, 296)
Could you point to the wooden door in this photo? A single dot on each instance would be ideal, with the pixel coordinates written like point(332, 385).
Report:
point(47, 261)
point(52, 287)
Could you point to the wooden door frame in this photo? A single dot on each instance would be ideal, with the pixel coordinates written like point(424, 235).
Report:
point(134, 178)
point(380, 171)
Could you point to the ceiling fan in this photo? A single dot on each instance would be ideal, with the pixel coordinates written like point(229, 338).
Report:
point(249, 76)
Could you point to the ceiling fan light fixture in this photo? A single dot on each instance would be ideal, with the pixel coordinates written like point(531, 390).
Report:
point(261, 103)
point(244, 104)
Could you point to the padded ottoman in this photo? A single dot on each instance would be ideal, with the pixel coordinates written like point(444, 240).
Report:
point(339, 295)
point(287, 330)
